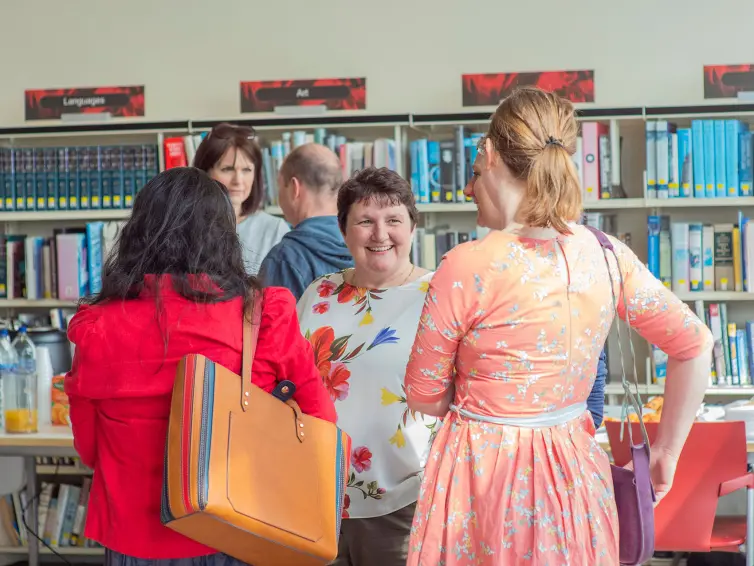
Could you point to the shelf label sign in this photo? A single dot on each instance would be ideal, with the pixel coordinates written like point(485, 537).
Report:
point(334, 94)
point(490, 89)
point(726, 81)
point(51, 104)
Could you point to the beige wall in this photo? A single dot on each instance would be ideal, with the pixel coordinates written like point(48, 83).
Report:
point(411, 51)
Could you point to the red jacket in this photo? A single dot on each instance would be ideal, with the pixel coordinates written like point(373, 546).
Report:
point(120, 387)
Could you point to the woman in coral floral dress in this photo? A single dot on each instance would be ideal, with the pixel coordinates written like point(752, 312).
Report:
point(507, 348)
point(361, 323)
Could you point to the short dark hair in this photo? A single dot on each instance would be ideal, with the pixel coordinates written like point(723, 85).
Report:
point(383, 185)
point(315, 165)
point(183, 226)
point(223, 137)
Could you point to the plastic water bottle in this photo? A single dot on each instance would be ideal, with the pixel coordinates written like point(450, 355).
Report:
point(23, 415)
point(8, 362)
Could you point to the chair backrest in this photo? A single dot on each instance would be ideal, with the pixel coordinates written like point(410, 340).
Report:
point(713, 453)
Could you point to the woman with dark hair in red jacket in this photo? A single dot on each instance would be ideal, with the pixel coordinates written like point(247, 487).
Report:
point(174, 285)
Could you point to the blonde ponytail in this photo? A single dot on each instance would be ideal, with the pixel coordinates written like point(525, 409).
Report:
point(553, 195)
point(534, 133)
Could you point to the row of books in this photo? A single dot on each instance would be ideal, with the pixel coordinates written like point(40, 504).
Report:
point(733, 352)
point(73, 178)
point(61, 516)
point(597, 161)
point(66, 266)
point(696, 256)
point(440, 169)
point(429, 246)
point(711, 159)
point(354, 155)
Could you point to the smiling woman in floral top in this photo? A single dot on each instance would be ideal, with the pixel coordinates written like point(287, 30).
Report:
point(361, 323)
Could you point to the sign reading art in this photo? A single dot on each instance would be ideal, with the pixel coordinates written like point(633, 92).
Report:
point(726, 81)
point(334, 94)
point(490, 89)
point(50, 104)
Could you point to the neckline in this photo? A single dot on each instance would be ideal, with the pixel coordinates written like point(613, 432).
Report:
point(518, 230)
point(418, 280)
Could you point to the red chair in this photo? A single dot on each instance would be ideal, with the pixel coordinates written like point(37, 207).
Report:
point(712, 464)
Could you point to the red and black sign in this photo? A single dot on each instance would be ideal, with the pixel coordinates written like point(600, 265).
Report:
point(726, 81)
point(116, 100)
point(490, 89)
point(335, 94)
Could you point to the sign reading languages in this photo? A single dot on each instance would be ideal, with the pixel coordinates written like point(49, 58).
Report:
point(334, 94)
point(50, 104)
point(490, 89)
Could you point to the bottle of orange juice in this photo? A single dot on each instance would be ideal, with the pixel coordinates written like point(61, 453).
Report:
point(19, 384)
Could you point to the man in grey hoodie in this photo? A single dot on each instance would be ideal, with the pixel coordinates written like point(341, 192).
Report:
point(308, 185)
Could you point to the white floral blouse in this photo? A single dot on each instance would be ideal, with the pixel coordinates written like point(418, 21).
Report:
point(362, 339)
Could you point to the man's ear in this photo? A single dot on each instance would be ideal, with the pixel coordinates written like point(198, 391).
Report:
point(297, 188)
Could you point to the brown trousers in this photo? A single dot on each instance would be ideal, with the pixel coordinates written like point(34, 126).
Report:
point(377, 541)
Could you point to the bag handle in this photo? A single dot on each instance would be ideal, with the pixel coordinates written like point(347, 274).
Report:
point(285, 389)
point(250, 337)
point(629, 398)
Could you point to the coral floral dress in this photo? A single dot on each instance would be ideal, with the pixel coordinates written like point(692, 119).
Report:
point(362, 339)
point(516, 326)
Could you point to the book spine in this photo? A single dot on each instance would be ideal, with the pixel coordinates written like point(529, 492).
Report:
point(590, 135)
point(653, 245)
point(685, 163)
point(746, 178)
point(674, 185)
point(696, 281)
point(679, 238)
point(697, 149)
point(708, 257)
point(663, 161)
point(651, 143)
point(732, 155)
point(721, 184)
point(666, 253)
point(709, 158)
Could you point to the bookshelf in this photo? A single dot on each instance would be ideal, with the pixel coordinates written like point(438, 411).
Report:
point(630, 212)
point(402, 129)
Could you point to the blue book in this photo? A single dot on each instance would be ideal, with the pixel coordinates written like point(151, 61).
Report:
point(685, 163)
point(721, 185)
point(94, 256)
point(709, 158)
point(732, 154)
point(697, 144)
point(653, 245)
point(745, 176)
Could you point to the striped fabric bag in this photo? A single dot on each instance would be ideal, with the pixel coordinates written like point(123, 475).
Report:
point(246, 472)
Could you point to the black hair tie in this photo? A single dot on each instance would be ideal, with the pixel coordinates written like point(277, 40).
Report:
point(554, 141)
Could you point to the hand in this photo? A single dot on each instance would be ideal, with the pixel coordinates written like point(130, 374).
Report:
point(662, 465)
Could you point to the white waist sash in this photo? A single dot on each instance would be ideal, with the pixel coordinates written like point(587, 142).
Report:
point(542, 420)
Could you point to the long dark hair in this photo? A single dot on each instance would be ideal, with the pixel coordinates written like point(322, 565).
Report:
point(182, 225)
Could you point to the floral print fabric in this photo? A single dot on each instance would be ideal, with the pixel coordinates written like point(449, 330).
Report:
point(516, 326)
point(361, 340)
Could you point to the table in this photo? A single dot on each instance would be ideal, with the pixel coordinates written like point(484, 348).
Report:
point(49, 441)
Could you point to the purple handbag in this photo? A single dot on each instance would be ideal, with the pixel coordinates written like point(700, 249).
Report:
point(634, 494)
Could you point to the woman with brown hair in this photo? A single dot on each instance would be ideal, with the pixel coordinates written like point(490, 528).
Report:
point(506, 352)
point(230, 154)
point(362, 322)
